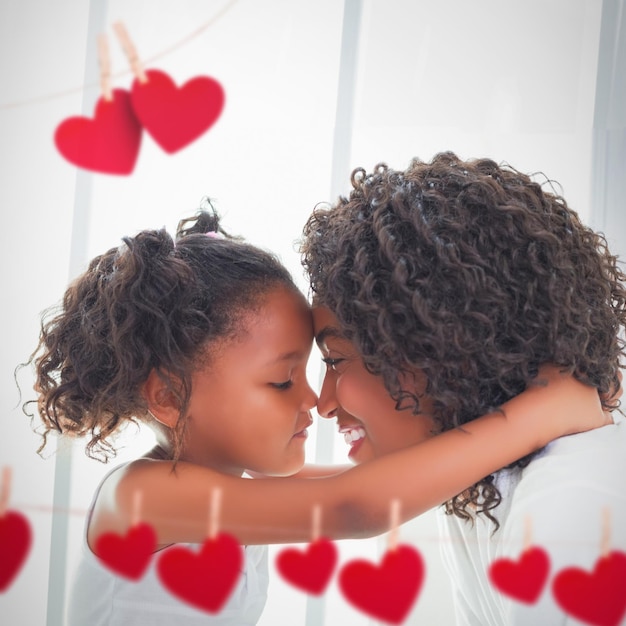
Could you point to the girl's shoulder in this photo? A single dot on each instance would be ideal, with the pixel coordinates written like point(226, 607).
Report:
point(110, 506)
point(166, 494)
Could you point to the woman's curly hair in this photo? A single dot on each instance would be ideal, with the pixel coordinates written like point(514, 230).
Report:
point(151, 304)
point(475, 275)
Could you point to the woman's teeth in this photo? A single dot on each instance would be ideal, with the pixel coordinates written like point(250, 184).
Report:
point(353, 435)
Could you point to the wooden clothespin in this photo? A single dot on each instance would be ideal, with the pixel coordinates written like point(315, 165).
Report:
point(605, 543)
point(104, 61)
point(394, 523)
point(316, 524)
point(137, 502)
point(528, 533)
point(214, 512)
point(5, 490)
point(131, 52)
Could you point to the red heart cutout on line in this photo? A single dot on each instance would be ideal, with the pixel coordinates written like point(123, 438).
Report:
point(108, 143)
point(174, 116)
point(598, 597)
point(522, 580)
point(206, 578)
point(15, 541)
point(387, 591)
point(309, 570)
point(128, 555)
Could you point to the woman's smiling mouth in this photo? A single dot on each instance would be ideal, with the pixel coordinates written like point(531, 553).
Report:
point(353, 436)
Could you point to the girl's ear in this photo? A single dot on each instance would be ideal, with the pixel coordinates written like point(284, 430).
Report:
point(162, 402)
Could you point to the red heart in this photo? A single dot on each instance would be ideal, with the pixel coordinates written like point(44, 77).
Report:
point(598, 597)
point(15, 541)
point(522, 580)
point(388, 591)
point(109, 143)
point(128, 555)
point(309, 570)
point(204, 579)
point(173, 116)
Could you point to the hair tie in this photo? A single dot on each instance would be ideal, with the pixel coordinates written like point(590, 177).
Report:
point(214, 234)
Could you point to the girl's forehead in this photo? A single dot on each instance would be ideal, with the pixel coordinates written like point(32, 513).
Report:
point(278, 316)
point(281, 302)
point(281, 315)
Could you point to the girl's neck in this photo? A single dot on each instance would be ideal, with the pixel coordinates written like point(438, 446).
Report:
point(162, 452)
point(158, 453)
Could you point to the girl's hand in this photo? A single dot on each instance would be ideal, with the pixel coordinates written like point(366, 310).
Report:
point(568, 405)
point(613, 399)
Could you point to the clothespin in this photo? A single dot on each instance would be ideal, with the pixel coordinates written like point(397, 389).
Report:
point(5, 490)
point(316, 525)
point(104, 61)
point(214, 512)
point(131, 52)
point(528, 533)
point(137, 502)
point(394, 523)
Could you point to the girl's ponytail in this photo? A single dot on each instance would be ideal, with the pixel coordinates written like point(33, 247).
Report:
point(205, 222)
point(116, 323)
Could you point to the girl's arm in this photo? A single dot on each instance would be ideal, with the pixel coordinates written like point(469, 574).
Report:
point(310, 470)
point(356, 502)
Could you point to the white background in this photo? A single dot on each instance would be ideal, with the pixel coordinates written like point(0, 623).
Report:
point(510, 79)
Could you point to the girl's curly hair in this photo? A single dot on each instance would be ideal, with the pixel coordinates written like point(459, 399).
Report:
point(151, 304)
point(473, 274)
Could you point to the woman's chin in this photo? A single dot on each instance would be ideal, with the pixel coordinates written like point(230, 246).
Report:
point(360, 451)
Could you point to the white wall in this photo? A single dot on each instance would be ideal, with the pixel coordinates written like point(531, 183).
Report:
point(511, 80)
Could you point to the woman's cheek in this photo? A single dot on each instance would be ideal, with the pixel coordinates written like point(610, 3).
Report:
point(359, 392)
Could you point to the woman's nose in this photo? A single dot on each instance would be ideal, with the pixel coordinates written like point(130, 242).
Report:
point(327, 401)
point(310, 398)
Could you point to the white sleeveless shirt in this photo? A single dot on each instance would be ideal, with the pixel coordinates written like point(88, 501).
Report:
point(101, 598)
point(563, 493)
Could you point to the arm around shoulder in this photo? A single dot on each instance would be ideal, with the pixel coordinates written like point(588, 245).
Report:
point(354, 503)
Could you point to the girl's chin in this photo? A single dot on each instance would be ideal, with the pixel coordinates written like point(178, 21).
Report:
point(288, 467)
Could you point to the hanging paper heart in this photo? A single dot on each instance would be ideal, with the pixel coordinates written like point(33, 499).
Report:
point(173, 116)
point(128, 555)
point(108, 143)
point(597, 598)
point(204, 579)
point(15, 541)
point(388, 591)
point(524, 579)
point(309, 570)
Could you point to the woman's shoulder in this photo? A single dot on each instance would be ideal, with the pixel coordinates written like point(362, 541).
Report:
point(579, 466)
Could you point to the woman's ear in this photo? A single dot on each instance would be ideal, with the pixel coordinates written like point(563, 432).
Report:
point(162, 401)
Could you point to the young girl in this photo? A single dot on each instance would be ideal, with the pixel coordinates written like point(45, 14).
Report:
point(206, 339)
point(462, 278)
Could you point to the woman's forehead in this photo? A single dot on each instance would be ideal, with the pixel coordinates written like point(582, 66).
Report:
point(326, 325)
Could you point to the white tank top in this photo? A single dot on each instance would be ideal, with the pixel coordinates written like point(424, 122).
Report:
point(99, 597)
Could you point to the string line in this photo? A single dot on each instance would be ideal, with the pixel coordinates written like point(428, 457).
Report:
point(179, 44)
point(78, 512)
